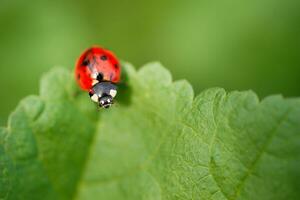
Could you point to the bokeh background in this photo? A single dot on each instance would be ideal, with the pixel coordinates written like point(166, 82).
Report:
point(236, 44)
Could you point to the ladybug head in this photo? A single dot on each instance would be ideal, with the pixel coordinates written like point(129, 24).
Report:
point(105, 101)
point(103, 93)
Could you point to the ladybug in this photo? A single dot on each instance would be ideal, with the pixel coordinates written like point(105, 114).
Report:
point(98, 71)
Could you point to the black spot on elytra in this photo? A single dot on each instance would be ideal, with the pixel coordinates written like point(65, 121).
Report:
point(116, 66)
point(85, 62)
point(103, 57)
point(78, 76)
point(100, 77)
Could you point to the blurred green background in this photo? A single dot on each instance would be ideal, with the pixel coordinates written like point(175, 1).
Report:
point(236, 44)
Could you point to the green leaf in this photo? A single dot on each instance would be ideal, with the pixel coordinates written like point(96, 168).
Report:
point(162, 143)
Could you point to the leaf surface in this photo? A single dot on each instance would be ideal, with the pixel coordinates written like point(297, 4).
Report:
point(161, 143)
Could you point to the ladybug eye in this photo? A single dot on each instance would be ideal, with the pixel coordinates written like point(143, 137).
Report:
point(100, 77)
point(103, 57)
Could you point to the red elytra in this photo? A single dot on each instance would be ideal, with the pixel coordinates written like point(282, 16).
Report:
point(97, 60)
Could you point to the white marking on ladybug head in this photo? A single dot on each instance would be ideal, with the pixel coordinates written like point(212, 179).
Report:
point(95, 98)
point(113, 93)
